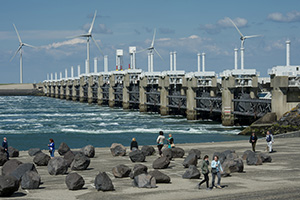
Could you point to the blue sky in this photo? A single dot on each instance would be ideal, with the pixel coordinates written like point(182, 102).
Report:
point(187, 27)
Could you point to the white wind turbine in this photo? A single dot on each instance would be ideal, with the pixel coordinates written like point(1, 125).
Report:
point(242, 38)
point(150, 54)
point(88, 35)
point(20, 50)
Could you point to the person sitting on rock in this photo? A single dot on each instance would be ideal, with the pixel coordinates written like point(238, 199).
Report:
point(134, 145)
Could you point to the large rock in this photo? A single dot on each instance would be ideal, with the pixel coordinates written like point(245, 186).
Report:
point(69, 157)
point(63, 148)
point(34, 151)
point(177, 152)
point(80, 162)
point(144, 181)
point(74, 181)
point(13, 152)
point(227, 153)
point(160, 177)
point(231, 156)
point(221, 156)
point(22, 169)
point(253, 159)
point(191, 173)
point(57, 166)
point(88, 151)
point(10, 166)
point(265, 157)
point(196, 152)
point(121, 171)
point(190, 160)
point(161, 163)
point(31, 180)
point(3, 158)
point(148, 150)
point(233, 165)
point(8, 185)
point(41, 159)
point(246, 153)
point(117, 149)
point(103, 182)
point(167, 152)
point(138, 169)
point(137, 156)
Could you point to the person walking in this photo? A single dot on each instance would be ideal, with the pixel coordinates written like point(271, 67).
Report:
point(5, 146)
point(253, 140)
point(160, 142)
point(205, 172)
point(51, 147)
point(216, 170)
point(171, 142)
point(270, 141)
point(134, 145)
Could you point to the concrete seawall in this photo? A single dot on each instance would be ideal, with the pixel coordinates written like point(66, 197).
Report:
point(21, 89)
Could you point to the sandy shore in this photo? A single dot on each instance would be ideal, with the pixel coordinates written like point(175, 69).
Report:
point(277, 180)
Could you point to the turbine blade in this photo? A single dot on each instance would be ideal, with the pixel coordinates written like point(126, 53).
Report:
point(77, 36)
point(25, 44)
point(97, 46)
point(91, 28)
point(152, 43)
point(252, 36)
point(158, 54)
point(20, 47)
point(236, 27)
point(142, 50)
point(17, 33)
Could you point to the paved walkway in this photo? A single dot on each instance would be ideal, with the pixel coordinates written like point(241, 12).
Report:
point(277, 180)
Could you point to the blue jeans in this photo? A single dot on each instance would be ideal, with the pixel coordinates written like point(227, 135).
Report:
point(213, 178)
point(52, 153)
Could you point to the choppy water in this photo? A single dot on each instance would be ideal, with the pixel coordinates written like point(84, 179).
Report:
point(29, 122)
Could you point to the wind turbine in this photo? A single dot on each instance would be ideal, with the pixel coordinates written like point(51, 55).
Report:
point(151, 48)
point(88, 35)
point(242, 38)
point(20, 50)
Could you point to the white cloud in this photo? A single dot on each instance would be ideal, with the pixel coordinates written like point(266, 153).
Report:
point(293, 16)
point(163, 39)
point(64, 43)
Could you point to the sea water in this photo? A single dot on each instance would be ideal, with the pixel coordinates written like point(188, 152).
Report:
point(29, 122)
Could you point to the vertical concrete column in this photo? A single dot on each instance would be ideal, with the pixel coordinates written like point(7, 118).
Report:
point(126, 85)
point(74, 85)
point(164, 92)
point(81, 89)
point(68, 95)
point(191, 113)
point(90, 90)
point(57, 89)
point(111, 102)
point(100, 90)
point(228, 84)
point(62, 89)
point(279, 86)
point(143, 96)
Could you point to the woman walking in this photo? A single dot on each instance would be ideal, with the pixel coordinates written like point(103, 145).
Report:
point(216, 170)
point(205, 172)
point(51, 147)
point(160, 142)
point(253, 140)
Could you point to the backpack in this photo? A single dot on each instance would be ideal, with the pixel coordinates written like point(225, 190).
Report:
point(269, 138)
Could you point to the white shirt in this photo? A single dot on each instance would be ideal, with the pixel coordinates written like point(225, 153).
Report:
point(160, 139)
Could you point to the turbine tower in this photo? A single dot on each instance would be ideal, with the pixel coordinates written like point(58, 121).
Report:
point(20, 50)
point(151, 49)
point(88, 35)
point(242, 38)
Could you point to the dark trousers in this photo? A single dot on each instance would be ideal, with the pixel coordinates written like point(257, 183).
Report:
point(160, 146)
point(253, 146)
point(206, 179)
point(7, 154)
point(218, 174)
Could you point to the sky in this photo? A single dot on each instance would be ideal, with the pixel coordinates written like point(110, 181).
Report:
point(186, 26)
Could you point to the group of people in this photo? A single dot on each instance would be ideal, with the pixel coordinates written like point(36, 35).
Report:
point(160, 142)
point(269, 139)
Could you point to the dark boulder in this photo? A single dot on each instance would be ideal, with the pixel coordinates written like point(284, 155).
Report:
point(13, 152)
point(160, 177)
point(8, 185)
point(117, 149)
point(231, 156)
point(253, 159)
point(246, 153)
point(191, 173)
point(63, 148)
point(57, 166)
point(80, 162)
point(228, 152)
point(233, 165)
point(161, 163)
point(137, 170)
point(22, 169)
point(191, 159)
point(177, 152)
point(103, 182)
point(41, 159)
point(167, 152)
point(88, 151)
point(3, 158)
point(10, 166)
point(196, 152)
point(137, 156)
point(69, 157)
point(221, 156)
point(34, 151)
point(144, 181)
point(148, 150)
point(265, 157)
point(74, 181)
point(31, 180)
point(121, 171)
